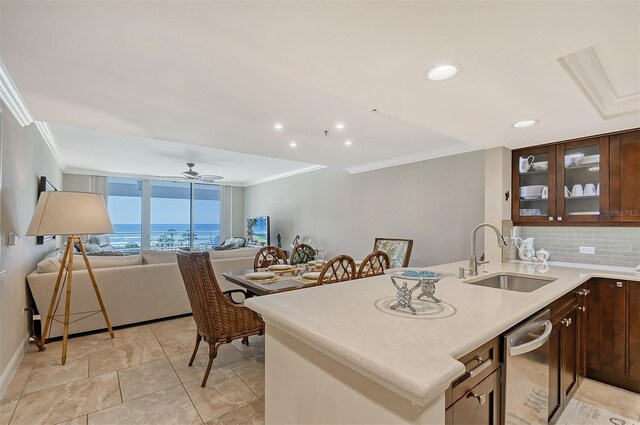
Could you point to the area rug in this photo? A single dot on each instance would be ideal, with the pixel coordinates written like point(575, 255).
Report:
point(581, 413)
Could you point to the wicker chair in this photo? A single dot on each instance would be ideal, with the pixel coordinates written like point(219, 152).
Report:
point(302, 253)
point(338, 269)
point(373, 265)
point(218, 320)
point(268, 256)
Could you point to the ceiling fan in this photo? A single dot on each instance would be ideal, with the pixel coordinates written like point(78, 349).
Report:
point(193, 176)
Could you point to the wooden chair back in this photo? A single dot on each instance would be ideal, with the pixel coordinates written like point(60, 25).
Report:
point(398, 250)
point(267, 256)
point(302, 253)
point(338, 269)
point(374, 264)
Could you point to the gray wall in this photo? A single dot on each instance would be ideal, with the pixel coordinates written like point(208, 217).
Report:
point(25, 157)
point(436, 203)
point(615, 246)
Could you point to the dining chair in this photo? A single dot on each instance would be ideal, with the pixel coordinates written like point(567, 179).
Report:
point(338, 269)
point(302, 253)
point(218, 319)
point(374, 264)
point(267, 256)
point(398, 250)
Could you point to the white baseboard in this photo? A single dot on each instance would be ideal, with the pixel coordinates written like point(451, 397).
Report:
point(12, 367)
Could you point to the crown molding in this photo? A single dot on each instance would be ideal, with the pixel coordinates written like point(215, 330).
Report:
point(586, 70)
point(416, 157)
point(285, 175)
point(11, 97)
point(50, 140)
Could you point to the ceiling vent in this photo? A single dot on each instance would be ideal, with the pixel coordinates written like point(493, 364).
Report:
point(586, 70)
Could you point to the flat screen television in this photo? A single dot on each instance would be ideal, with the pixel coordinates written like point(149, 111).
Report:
point(258, 231)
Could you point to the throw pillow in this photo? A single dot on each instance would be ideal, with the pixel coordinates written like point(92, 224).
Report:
point(100, 240)
point(92, 248)
point(49, 265)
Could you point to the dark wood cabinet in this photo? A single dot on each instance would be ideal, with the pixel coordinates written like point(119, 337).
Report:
point(625, 177)
point(574, 170)
point(474, 398)
point(613, 333)
point(589, 181)
point(555, 358)
point(529, 204)
point(569, 370)
point(633, 354)
point(480, 405)
point(565, 350)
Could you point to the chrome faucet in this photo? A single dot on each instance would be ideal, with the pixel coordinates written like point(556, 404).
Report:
point(473, 261)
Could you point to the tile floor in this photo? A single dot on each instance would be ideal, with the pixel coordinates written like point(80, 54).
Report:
point(142, 377)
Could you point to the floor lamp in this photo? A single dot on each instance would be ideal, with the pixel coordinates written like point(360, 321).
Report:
point(72, 214)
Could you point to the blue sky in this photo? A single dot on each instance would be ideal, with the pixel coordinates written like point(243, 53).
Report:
point(127, 210)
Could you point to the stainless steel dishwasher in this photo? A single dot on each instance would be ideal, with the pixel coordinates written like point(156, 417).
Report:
point(526, 376)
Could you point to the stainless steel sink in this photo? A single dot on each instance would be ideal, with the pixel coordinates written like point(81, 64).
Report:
point(513, 282)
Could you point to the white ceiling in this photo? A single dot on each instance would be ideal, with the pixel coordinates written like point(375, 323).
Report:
point(136, 156)
point(219, 74)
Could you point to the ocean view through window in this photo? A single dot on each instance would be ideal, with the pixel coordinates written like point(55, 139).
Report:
point(177, 214)
point(124, 203)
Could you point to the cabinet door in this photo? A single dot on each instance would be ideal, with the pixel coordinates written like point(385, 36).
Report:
point(605, 335)
point(583, 294)
point(479, 406)
point(534, 185)
point(582, 193)
point(555, 373)
point(570, 361)
point(625, 177)
point(633, 289)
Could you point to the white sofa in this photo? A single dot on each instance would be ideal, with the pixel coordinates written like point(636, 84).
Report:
point(150, 289)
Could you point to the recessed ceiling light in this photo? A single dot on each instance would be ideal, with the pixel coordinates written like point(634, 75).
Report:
point(340, 126)
point(525, 123)
point(293, 144)
point(347, 142)
point(278, 126)
point(442, 72)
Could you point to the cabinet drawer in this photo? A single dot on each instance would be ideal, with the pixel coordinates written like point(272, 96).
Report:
point(478, 364)
point(480, 405)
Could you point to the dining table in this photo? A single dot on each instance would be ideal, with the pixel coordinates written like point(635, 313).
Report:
point(282, 280)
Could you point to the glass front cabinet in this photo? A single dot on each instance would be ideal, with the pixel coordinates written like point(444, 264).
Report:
point(564, 183)
point(534, 185)
point(583, 180)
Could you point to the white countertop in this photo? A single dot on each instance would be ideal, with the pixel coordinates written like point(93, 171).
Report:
point(417, 357)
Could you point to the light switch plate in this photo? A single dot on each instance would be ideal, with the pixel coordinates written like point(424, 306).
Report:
point(12, 239)
point(587, 250)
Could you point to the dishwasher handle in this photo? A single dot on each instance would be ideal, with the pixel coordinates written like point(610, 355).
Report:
point(536, 343)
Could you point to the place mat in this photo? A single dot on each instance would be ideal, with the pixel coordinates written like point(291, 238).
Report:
point(279, 278)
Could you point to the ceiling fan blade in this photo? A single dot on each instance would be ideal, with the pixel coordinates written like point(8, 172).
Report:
point(210, 177)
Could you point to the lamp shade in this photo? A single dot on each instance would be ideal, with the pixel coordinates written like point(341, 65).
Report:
point(70, 213)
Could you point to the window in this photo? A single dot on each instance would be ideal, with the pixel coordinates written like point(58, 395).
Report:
point(125, 209)
point(206, 216)
point(156, 214)
point(170, 214)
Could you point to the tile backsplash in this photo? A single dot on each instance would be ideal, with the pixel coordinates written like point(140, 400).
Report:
point(614, 246)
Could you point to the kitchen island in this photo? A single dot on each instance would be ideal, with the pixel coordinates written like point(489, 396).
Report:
point(334, 354)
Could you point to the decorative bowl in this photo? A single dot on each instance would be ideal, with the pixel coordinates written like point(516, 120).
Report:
point(416, 273)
